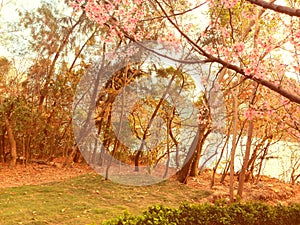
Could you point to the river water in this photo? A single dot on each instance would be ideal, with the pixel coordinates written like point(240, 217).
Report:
point(282, 157)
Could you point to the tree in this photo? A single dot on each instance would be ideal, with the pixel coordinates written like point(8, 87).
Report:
point(150, 136)
point(244, 39)
point(229, 56)
point(8, 102)
point(38, 101)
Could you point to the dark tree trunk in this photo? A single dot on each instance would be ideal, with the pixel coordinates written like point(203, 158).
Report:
point(196, 159)
point(183, 174)
point(2, 145)
point(12, 142)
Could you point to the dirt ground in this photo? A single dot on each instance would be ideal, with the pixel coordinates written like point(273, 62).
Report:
point(269, 190)
point(35, 174)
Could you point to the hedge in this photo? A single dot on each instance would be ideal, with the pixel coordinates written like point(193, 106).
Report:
point(250, 213)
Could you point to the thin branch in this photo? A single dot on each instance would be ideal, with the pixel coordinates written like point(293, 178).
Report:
point(175, 14)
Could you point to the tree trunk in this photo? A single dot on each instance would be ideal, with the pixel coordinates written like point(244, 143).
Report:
point(212, 182)
point(248, 147)
point(265, 152)
point(235, 121)
point(252, 160)
point(77, 157)
point(183, 174)
point(294, 177)
point(174, 139)
point(116, 147)
point(12, 142)
point(2, 145)
point(70, 158)
point(161, 100)
point(169, 121)
point(225, 172)
point(196, 158)
point(246, 160)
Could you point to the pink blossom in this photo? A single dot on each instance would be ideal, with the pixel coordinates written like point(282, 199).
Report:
point(250, 114)
point(248, 72)
point(229, 3)
point(284, 101)
point(239, 47)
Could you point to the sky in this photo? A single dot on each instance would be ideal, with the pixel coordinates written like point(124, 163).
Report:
point(9, 10)
point(9, 13)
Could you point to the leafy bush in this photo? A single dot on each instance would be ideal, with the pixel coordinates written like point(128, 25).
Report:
point(251, 213)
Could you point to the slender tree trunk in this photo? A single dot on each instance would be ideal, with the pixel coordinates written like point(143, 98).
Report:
point(139, 152)
point(294, 178)
point(12, 142)
point(252, 160)
point(183, 174)
point(169, 121)
point(196, 159)
point(225, 172)
point(262, 160)
point(174, 139)
point(246, 160)
point(2, 145)
point(93, 157)
point(212, 183)
point(116, 147)
point(235, 121)
point(24, 151)
point(70, 158)
point(248, 148)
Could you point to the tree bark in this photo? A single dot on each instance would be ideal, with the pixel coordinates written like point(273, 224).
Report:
point(265, 152)
point(12, 142)
point(70, 158)
point(235, 121)
point(196, 158)
point(246, 160)
point(212, 183)
point(248, 148)
point(182, 174)
point(2, 145)
point(277, 8)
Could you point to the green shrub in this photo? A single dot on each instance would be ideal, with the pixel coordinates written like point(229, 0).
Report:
point(251, 213)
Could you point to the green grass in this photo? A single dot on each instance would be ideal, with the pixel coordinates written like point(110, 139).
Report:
point(87, 199)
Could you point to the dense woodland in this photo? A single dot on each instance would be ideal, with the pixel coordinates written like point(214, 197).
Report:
point(251, 49)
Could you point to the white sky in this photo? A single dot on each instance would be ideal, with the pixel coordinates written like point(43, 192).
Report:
point(9, 10)
point(9, 13)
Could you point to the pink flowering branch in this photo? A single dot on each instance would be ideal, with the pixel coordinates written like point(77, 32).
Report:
point(291, 96)
point(128, 22)
point(277, 8)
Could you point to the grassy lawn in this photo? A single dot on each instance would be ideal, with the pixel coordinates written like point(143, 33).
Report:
point(86, 199)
